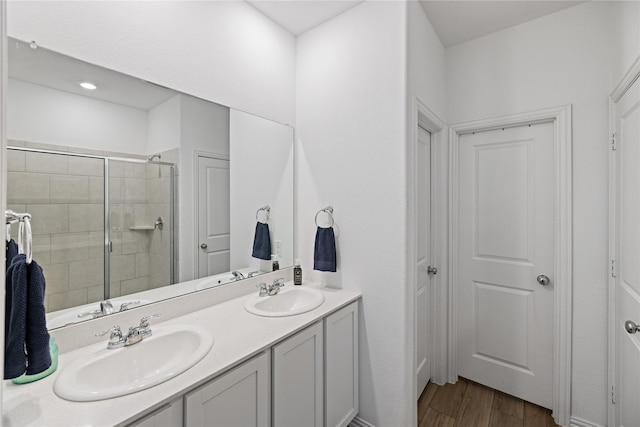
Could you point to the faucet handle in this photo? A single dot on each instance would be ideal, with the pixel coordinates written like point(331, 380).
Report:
point(277, 282)
point(125, 305)
point(144, 322)
point(94, 313)
point(116, 332)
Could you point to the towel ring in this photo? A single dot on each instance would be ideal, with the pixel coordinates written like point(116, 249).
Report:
point(24, 237)
point(329, 211)
point(266, 209)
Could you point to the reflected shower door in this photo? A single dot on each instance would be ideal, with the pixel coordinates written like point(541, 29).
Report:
point(140, 253)
point(64, 193)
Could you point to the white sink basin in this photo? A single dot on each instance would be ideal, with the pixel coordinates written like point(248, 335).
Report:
point(104, 374)
point(287, 302)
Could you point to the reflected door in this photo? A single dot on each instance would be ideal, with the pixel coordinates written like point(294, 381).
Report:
point(213, 216)
point(505, 251)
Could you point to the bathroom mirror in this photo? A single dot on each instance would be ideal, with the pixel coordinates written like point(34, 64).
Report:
point(136, 189)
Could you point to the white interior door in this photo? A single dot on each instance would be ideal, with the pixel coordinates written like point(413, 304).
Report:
point(423, 253)
point(627, 272)
point(505, 241)
point(213, 216)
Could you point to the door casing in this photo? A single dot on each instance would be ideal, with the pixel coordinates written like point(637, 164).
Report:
point(561, 119)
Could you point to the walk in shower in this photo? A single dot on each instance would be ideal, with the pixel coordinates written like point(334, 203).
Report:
point(95, 238)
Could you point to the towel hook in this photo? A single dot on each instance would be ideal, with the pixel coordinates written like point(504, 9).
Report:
point(266, 209)
point(329, 211)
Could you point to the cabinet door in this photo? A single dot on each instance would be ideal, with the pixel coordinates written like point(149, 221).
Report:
point(298, 380)
point(341, 365)
point(167, 416)
point(239, 398)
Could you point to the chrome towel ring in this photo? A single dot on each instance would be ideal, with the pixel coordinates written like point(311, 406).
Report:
point(266, 209)
point(329, 211)
point(24, 232)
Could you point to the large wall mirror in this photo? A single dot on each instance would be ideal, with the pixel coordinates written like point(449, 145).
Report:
point(136, 190)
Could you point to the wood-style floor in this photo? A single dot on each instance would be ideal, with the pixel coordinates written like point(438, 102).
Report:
point(468, 404)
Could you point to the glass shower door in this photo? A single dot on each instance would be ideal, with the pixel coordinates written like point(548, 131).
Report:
point(64, 193)
point(140, 247)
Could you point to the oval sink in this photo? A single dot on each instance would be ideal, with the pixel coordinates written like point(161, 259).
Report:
point(287, 302)
point(104, 374)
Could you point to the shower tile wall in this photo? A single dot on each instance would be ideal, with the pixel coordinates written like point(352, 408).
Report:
point(64, 194)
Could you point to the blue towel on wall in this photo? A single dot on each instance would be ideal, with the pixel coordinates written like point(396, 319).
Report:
point(26, 336)
point(12, 251)
point(262, 242)
point(324, 251)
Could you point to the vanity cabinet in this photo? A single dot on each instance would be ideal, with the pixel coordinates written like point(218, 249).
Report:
point(298, 384)
point(241, 397)
point(168, 416)
point(309, 379)
point(341, 366)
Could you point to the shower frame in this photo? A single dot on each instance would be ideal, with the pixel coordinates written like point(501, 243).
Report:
point(107, 223)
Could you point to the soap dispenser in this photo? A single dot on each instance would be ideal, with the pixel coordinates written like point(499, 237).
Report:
point(275, 265)
point(297, 273)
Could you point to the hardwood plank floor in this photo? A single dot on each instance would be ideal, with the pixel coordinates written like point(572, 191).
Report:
point(468, 404)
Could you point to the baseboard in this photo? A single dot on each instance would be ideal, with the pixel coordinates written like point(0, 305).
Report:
point(579, 422)
point(359, 422)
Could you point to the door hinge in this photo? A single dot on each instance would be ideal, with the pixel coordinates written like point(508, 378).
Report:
point(613, 267)
point(612, 141)
point(613, 395)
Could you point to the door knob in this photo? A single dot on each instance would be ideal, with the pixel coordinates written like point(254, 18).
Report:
point(204, 246)
point(543, 280)
point(631, 327)
point(432, 270)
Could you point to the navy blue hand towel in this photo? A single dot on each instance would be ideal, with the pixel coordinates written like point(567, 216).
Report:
point(262, 242)
point(324, 252)
point(12, 250)
point(26, 336)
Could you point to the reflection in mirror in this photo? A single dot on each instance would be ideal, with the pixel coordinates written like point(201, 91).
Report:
point(185, 179)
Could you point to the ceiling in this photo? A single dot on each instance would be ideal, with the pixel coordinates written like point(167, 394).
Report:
point(455, 21)
point(51, 69)
point(461, 21)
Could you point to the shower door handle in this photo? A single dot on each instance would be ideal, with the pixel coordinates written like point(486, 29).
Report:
point(204, 246)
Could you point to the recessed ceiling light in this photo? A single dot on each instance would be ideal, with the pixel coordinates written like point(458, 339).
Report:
point(88, 86)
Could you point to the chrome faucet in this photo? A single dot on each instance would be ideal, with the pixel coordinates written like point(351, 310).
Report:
point(135, 334)
point(106, 307)
point(270, 290)
point(254, 273)
point(237, 275)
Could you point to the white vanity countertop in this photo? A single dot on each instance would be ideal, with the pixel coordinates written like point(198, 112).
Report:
point(237, 334)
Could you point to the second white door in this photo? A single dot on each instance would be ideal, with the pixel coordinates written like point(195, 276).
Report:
point(505, 255)
point(423, 258)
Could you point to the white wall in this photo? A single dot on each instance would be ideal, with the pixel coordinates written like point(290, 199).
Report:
point(41, 114)
point(261, 174)
point(163, 126)
point(626, 37)
point(204, 127)
point(426, 62)
point(350, 109)
point(223, 51)
point(555, 60)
